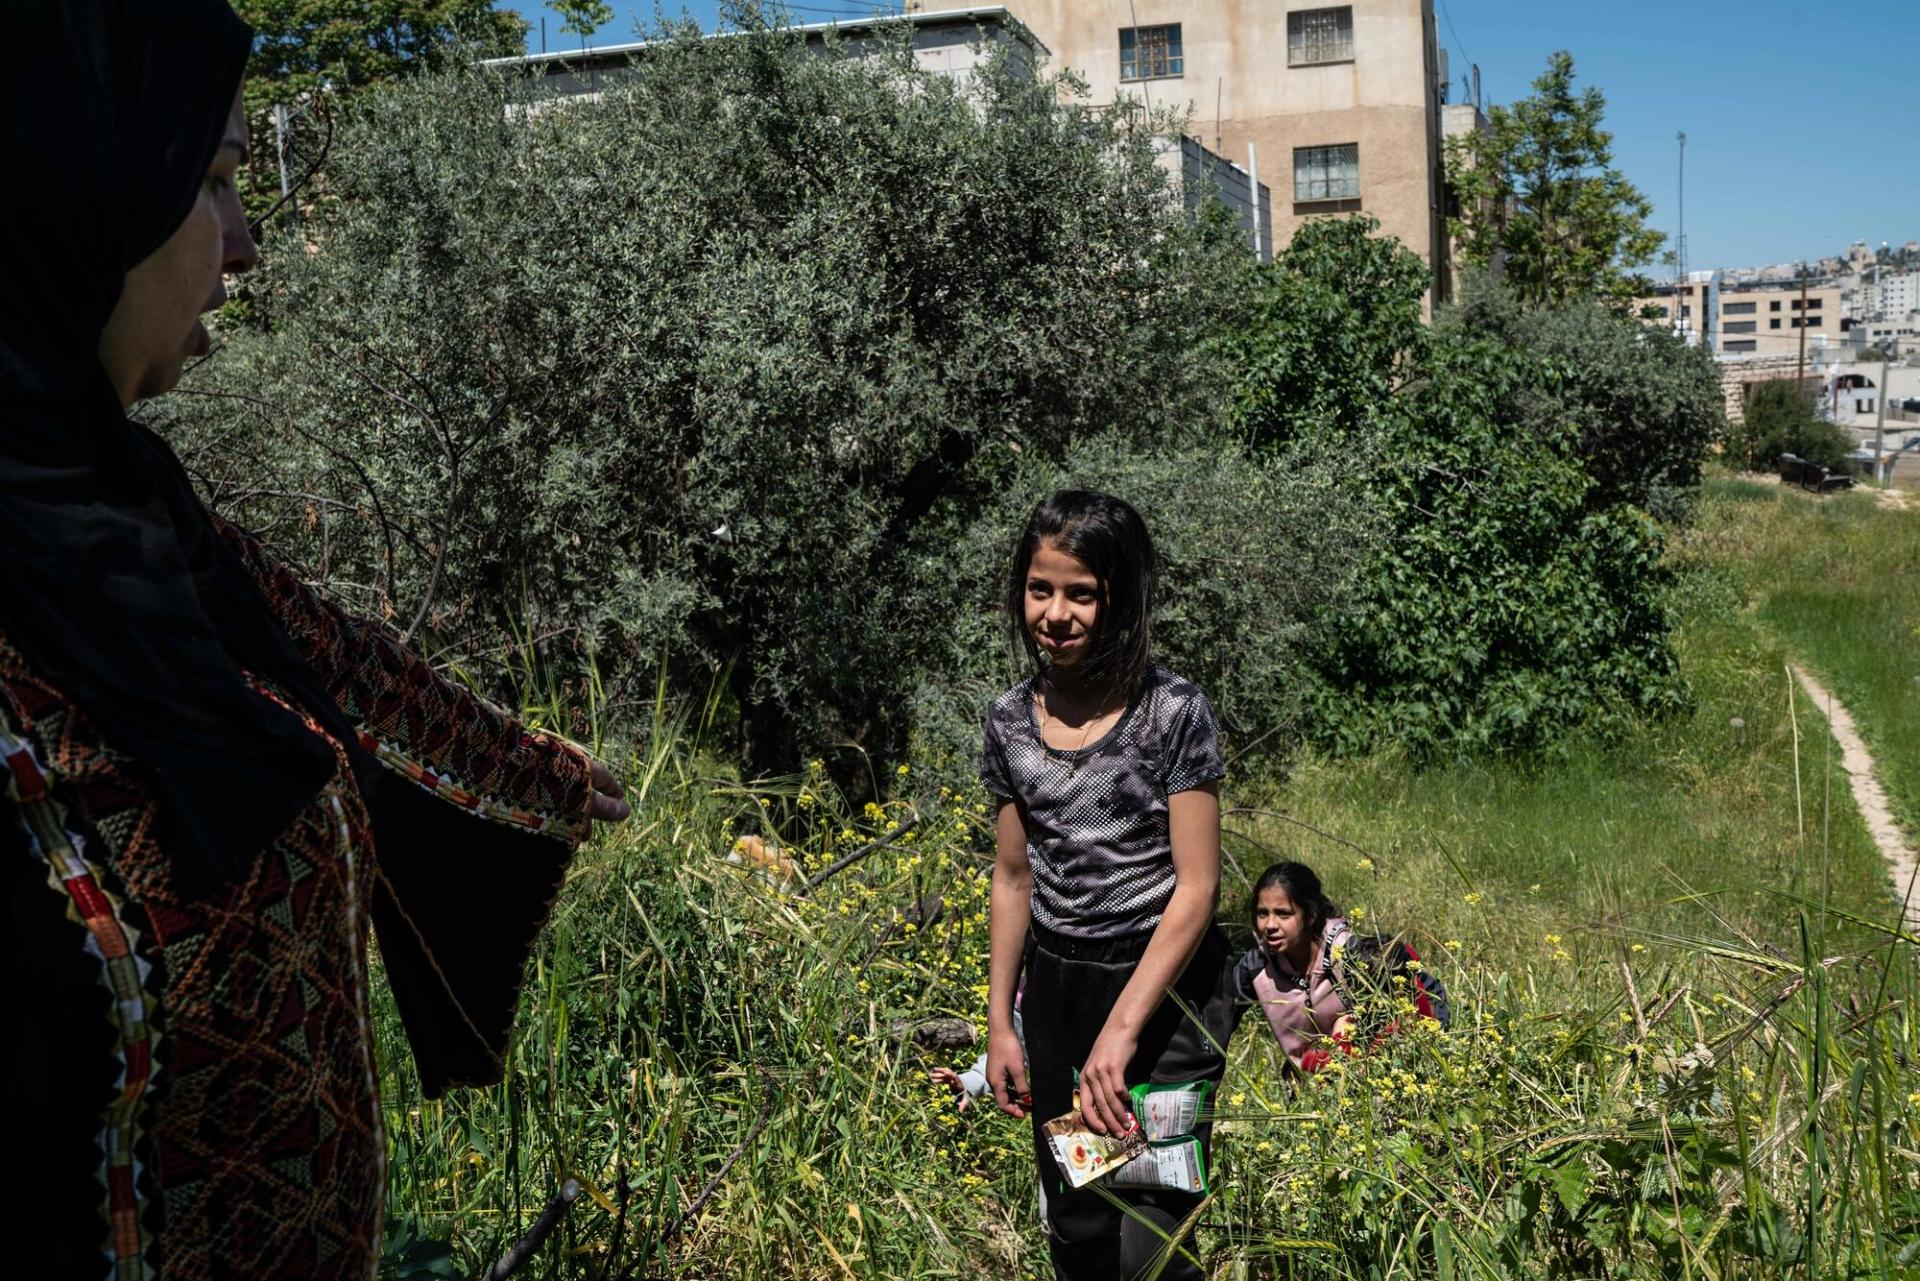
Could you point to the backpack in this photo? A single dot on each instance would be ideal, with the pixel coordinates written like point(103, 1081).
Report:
point(1367, 966)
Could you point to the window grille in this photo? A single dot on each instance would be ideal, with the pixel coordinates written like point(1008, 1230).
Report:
point(1319, 35)
point(1327, 173)
point(1149, 53)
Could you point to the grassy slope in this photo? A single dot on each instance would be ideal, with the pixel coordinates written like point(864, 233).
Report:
point(671, 978)
point(1837, 579)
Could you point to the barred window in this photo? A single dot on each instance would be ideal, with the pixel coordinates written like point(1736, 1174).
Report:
point(1327, 173)
point(1737, 327)
point(1319, 35)
point(1148, 53)
point(1740, 308)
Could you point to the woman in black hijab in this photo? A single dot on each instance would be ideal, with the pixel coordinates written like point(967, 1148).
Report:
point(214, 781)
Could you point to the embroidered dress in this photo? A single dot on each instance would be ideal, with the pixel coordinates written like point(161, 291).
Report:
point(203, 1067)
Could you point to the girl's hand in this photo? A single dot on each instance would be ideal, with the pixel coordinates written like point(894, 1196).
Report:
point(1343, 1028)
point(1104, 1100)
point(1007, 1072)
point(951, 1079)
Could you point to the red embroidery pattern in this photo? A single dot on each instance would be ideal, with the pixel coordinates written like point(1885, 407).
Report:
point(111, 941)
point(424, 727)
point(242, 1038)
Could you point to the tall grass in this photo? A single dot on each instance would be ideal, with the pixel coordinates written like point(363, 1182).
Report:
point(1685, 1041)
point(1837, 579)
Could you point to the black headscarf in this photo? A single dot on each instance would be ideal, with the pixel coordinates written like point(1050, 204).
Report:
point(112, 579)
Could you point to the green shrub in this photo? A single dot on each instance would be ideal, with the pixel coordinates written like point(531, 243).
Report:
point(1511, 601)
point(1780, 419)
point(718, 366)
point(1646, 405)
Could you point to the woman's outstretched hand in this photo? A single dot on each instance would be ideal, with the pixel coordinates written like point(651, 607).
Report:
point(1104, 1101)
point(606, 805)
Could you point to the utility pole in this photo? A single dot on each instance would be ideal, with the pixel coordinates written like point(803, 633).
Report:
point(1253, 187)
point(1680, 237)
point(1880, 416)
point(282, 140)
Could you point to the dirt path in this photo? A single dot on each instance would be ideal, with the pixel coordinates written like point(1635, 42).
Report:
point(1868, 796)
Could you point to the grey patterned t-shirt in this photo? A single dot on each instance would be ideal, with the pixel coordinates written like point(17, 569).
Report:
point(1096, 817)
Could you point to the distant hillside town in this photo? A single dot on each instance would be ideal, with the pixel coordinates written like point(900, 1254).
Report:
point(1847, 326)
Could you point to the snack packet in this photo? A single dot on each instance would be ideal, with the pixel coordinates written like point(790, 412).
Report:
point(1084, 1155)
point(1171, 1110)
point(1171, 1163)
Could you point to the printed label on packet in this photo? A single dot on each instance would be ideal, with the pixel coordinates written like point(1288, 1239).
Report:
point(1170, 1111)
point(1178, 1165)
point(1085, 1156)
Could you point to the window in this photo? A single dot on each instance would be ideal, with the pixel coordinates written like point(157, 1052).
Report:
point(1740, 308)
point(1774, 323)
point(1149, 53)
point(1327, 173)
point(1774, 305)
point(1743, 344)
point(1319, 35)
point(1859, 407)
point(1739, 327)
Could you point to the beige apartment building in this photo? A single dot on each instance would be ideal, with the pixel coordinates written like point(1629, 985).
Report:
point(1751, 320)
point(1771, 322)
point(1340, 105)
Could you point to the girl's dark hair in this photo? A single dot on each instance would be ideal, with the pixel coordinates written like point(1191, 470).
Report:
point(1302, 885)
point(1107, 535)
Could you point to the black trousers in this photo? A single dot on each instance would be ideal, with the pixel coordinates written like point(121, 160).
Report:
point(1071, 987)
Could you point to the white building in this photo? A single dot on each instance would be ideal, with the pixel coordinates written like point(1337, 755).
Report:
point(1890, 297)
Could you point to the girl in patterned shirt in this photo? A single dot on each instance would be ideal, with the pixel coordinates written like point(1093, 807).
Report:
point(1107, 770)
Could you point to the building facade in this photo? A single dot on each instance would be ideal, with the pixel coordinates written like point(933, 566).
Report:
point(1337, 107)
point(1888, 297)
point(1751, 319)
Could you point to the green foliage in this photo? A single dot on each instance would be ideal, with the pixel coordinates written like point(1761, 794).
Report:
point(1780, 419)
point(311, 55)
point(582, 17)
point(354, 44)
point(1504, 611)
point(1539, 196)
point(1512, 599)
point(1334, 326)
point(1646, 406)
point(718, 366)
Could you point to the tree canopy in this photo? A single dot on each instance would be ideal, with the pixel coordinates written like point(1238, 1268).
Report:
point(1540, 200)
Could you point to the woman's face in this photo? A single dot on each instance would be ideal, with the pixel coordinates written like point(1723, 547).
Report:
point(156, 325)
point(1062, 604)
point(1280, 926)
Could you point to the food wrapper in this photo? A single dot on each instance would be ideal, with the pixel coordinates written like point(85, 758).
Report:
point(1084, 1155)
point(1179, 1164)
point(1170, 1111)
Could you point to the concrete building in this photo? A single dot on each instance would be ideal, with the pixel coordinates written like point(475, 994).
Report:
point(1889, 297)
point(953, 42)
point(947, 42)
point(1339, 106)
point(1772, 320)
point(1751, 319)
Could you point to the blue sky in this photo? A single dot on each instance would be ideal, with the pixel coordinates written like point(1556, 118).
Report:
point(1802, 118)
